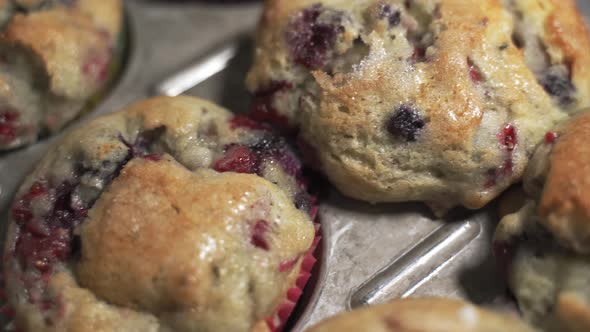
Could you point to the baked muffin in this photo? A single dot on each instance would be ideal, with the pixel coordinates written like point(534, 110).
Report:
point(544, 248)
point(422, 315)
point(55, 55)
point(173, 215)
point(437, 101)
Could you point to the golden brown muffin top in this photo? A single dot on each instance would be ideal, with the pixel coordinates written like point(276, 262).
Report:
point(172, 214)
point(443, 102)
point(564, 206)
point(176, 244)
point(54, 56)
point(422, 315)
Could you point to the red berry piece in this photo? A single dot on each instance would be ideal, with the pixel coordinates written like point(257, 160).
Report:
point(245, 121)
point(258, 236)
point(239, 159)
point(21, 213)
point(262, 109)
point(21, 210)
point(474, 72)
point(8, 126)
point(550, 137)
point(508, 137)
point(419, 54)
point(37, 189)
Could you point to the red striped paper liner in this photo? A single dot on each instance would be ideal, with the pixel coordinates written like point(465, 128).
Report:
point(277, 322)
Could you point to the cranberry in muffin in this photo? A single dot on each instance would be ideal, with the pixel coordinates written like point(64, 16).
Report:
point(544, 247)
point(55, 56)
point(168, 215)
point(410, 100)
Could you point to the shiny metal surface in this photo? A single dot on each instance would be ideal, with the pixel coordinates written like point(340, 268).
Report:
point(198, 72)
point(371, 253)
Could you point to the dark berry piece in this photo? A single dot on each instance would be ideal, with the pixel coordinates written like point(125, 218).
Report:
point(474, 72)
point(268, 145)
point(21, 210)
point(311, 38)
point(550, 137)
point(258, 236)
point(246, 121)
point(143, 142)
point(406, 123)
point(21, 213)
point(508, 137)
point(37, 189)
point(8, 126)
point(239, 159)
point(556, 82)
point(419, 54)
point(393, 16)
point(303, 201)
point(262, 109)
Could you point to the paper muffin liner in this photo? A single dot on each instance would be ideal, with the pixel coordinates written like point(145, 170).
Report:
point(279, 319)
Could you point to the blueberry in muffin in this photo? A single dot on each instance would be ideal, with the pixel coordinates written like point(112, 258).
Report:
point(436, 101)
point(170, 215)
point(55, 56)
point(544, 247)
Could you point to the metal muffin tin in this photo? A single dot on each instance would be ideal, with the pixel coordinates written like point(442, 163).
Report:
point(369, 253)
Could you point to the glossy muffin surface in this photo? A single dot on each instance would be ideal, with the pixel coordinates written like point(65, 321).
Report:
point(422, 315)
point(54, 57)
point(170, 215)
point(544, 247)
point(435, 101)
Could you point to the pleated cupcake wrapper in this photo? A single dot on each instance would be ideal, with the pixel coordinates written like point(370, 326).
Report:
point(277, 322)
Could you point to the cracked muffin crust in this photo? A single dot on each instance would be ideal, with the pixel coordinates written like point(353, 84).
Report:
point(422, 315)
point(544, 247)
point(173, 215)
point(437, 101)
point(55, 56)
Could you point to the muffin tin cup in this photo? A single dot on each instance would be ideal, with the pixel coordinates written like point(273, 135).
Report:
point(368, 253)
